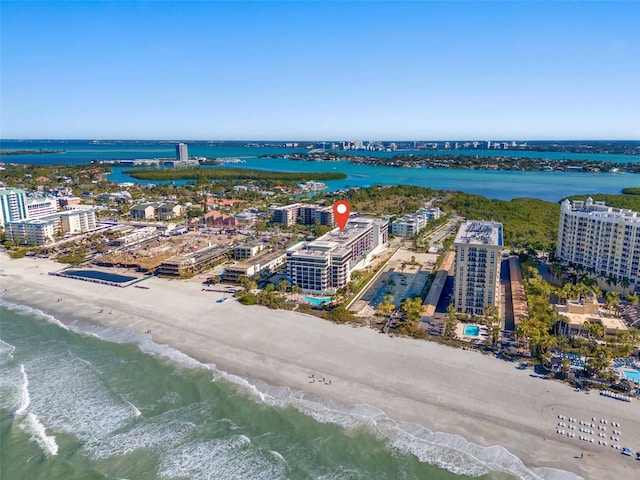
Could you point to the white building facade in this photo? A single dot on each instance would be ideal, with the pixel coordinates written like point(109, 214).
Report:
point(43, 230)
point(409, 225)
point(41, 206)
point(603, 240)
point(478, 245)
point(325, 264)
point(13, 205)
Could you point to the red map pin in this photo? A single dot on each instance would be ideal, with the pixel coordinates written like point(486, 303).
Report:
point(341, 211)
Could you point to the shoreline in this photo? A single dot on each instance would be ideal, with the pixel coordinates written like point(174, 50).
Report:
point(485, 401)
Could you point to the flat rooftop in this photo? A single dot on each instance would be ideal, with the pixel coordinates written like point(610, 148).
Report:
point(264, 257)
point(480, 232)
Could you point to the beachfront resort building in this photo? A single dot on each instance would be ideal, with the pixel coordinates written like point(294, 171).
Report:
point(43, 230)
point(194, 262)
point(41, 206)
point(267, 261)
point(325, 264)
point(409, 225)
point(303, 213)
point(575, 313)
point(13, 205)
point(478, 246)
point(601, 239)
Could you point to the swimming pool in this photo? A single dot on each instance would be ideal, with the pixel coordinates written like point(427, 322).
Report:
point(98, 275)
point(633, 375)
point(471, 330)
point(317, 300)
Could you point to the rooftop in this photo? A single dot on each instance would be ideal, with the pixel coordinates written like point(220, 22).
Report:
point(480, 232)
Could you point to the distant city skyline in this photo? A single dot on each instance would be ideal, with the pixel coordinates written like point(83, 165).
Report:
point(313, 71)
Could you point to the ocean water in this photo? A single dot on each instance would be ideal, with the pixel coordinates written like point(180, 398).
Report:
point(504, 185)
point(105, 403)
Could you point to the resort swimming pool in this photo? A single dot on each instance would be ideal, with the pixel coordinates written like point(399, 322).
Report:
point(98, 275)
point(633, 375)
point(471, 330)
point(317, 300)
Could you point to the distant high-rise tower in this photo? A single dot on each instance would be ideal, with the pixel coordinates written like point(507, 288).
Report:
point(182, 153)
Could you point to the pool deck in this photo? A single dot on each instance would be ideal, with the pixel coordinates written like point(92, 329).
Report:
point(68, 273)
point(481, 337)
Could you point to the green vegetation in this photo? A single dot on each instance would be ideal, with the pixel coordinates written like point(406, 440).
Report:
point(206, 174)
point(393, 200)
point(73, 257)
point(527, 222)
point(625, 200)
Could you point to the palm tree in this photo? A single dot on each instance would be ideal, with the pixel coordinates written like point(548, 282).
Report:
point(386, 307)
point(632, 298)
point(566, 367)
point(612, 298)
point(450, 322)
point(625, 283)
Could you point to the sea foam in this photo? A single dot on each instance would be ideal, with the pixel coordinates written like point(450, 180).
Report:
point(447, 451)
point(31, 425)
point(25, 397)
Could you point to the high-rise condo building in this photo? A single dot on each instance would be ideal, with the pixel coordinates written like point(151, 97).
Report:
point(601, 239)
point(13, 205)
point(478, 245)
point(182, 152)
point(325, 264)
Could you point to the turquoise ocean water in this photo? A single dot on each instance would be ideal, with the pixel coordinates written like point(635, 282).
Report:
point(109, 404)
point(552, 186)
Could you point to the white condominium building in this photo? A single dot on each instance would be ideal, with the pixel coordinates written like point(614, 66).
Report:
point(78, 219)
point(411, 224)
point(12, 205)
point(601, 239)
point(307, 214)
point(42, 230)
point(326, 263)
point(41, 206)
point(478, 247)
point(36, 231)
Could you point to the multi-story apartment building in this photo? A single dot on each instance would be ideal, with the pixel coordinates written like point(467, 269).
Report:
point(13, 205)
point(411, 224)
point(601, 239)
point(42, 230)
point(326, 263)
point(144, 211)
point(478, 245)
point(41, 206)
point(78, 219)
point(36, 231)
point(306, 214)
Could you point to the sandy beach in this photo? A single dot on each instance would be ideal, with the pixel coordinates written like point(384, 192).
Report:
point(486, 401)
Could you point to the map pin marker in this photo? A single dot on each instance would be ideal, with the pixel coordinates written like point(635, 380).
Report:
point(341, 211)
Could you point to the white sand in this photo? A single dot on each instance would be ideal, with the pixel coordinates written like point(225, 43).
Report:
point(486, 401)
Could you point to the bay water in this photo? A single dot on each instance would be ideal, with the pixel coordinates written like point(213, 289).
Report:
point(504, 185)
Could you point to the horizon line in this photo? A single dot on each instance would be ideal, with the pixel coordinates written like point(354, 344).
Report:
point(174, 140)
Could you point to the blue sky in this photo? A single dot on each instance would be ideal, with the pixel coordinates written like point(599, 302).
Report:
point(320, 70)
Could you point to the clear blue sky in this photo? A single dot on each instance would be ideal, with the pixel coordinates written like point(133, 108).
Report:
point(320, 70)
